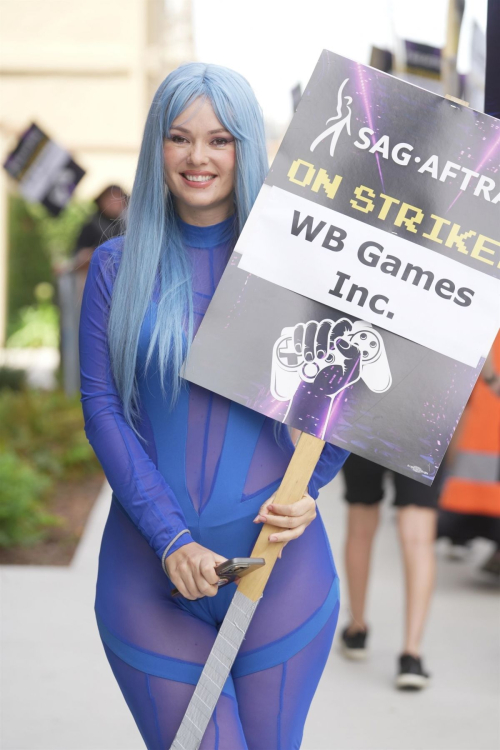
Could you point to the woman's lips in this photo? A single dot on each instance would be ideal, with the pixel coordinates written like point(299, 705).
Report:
point(207, 179)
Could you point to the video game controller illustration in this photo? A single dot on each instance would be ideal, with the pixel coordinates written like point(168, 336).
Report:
point(331, 356)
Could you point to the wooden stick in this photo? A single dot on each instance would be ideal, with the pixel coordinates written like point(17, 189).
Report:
point(457, 101)
point(291, 489)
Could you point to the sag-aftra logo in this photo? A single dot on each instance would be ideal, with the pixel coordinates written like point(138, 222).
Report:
point(400, 153)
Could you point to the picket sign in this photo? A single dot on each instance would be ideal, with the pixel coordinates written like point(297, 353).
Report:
point(292, 488)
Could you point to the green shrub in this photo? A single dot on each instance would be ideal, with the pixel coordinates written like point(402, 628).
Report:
point(37, 241)
point(59, 233)
point(37, 325)
point(23, 519)
point(29, 261)
point(46, 429)
point(12, 378)
point(42, 440)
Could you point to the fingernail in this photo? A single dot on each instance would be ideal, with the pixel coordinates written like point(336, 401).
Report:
point(273, 538)
point(256, 519)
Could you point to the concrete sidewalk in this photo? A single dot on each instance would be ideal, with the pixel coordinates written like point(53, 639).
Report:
point(356, 706)
point(58, 692)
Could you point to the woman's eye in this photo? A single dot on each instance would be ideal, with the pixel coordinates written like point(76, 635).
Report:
point(221, 141)
point(178, 139)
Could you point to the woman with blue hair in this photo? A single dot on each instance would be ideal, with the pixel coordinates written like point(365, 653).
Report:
point(190, 470)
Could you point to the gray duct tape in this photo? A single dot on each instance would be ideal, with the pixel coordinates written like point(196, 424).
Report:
point(215, 673)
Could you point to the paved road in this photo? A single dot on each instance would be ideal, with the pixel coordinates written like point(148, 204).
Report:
point(58, 692)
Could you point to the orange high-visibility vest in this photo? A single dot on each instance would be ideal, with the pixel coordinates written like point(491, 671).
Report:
point(474, 483)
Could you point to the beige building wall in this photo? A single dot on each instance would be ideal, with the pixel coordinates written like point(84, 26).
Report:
point(85, 71)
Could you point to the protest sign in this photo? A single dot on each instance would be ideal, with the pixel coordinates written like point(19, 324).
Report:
point(364, 293)
point(45, 171)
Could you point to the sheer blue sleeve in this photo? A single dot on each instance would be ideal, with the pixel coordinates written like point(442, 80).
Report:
point(138, 485)
point(330, 462)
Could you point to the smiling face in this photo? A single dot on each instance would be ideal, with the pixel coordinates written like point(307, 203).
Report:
point(200, 159)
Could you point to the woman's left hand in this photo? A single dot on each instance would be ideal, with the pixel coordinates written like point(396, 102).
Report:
point(293, 518)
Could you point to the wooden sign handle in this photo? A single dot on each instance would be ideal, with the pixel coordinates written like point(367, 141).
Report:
point(291, 489)
point(457, 101)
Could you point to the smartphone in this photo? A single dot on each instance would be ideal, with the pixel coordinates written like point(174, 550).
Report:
point(237, 567)
point(229, 570)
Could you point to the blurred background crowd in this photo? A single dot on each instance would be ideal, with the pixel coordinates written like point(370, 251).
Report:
point(76, 82)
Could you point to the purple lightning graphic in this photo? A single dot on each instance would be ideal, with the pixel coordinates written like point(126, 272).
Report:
point(335, 402)
point(364, 95)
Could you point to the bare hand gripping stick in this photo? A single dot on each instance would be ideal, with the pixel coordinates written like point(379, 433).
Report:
point(244, 603)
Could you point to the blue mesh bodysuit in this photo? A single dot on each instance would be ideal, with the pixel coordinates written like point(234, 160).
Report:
point(207, 465)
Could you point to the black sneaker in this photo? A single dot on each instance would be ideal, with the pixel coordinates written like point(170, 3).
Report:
point(411, 673)
point(354, 645)
point(492, 564)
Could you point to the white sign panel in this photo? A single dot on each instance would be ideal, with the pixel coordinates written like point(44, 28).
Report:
point(370, 273)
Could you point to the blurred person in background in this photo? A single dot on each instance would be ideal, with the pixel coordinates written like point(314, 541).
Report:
point(106, 222)
point(470, 503)
point(194, 474)
point(416, 504)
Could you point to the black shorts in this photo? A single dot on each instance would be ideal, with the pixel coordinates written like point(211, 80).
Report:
point(364, 485)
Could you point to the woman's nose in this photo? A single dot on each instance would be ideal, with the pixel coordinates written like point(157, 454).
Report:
point(197, 154)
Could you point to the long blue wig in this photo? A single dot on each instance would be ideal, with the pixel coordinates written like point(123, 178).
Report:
point(153, 246)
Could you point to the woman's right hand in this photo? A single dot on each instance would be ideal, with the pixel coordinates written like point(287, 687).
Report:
point(191, 568)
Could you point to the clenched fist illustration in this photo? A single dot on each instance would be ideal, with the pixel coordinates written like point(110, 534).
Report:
point(314, 361)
